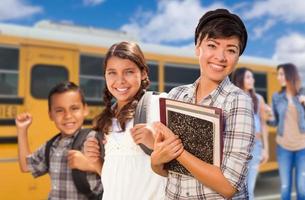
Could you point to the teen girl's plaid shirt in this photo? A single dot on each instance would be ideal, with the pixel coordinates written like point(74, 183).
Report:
point(238, 141)
point(62, 185)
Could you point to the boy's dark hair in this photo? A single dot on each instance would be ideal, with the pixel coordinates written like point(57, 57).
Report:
point(220, 23)
point(62, 88)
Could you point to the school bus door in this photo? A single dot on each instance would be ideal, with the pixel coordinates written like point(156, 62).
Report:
point(43, 68)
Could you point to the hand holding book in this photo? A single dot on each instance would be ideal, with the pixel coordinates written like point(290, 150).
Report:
point(199, 128)
point(167, 145)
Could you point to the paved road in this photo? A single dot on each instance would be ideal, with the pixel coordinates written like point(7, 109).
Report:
point(268, 187)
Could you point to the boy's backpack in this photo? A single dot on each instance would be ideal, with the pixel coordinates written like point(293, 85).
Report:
point(141, 115)
point(79, 177)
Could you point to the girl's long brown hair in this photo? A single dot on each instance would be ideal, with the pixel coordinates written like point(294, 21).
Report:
point(238, 78)
point(291, 76)
point(132, 52)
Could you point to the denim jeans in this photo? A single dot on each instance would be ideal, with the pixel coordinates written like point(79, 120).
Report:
point(254, 167)
point(289, 160)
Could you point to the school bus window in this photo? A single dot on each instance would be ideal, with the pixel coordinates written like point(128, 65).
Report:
point(92, 88)
point(8, 84)
point(261, 84)
point(91, 77)
point(176, 75)
point(44, 77)
point(9, 59)
point(91, 65)
point(153, 75)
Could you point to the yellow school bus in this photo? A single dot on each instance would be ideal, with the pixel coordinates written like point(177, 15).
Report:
point(33, 59)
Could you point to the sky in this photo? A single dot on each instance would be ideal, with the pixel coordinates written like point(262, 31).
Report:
point(276, 28)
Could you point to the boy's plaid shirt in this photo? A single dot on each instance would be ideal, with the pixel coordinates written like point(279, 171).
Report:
point(62, 185)
point(238, 141)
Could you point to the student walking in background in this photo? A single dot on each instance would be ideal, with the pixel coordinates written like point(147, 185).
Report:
point(220, 39)
point(67, 108)
point(243, 78)
point(289, 117)
point(126, 172)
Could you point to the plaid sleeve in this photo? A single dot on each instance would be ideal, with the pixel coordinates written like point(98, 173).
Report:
point(36, 162)
point(238, 139)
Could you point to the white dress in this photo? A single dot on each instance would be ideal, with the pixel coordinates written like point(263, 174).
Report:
point(127, 173)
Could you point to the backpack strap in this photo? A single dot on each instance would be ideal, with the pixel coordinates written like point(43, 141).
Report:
point(80, 177)
point(141, 115)
point(48, 150)
point(141, 109)
point(100, 137)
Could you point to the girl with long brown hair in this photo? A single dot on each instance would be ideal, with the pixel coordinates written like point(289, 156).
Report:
point(289, 117)
point(126, 172)
point(244, 79)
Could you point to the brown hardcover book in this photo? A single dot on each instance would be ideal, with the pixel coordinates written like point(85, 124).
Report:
point(199, 127)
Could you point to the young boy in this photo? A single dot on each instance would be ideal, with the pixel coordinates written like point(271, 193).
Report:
point(67, 108)
point(220, 39)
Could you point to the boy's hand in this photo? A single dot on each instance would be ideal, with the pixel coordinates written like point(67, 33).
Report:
point(77, 160)
point(142, 134)
point(92, 149)
point(23, 120)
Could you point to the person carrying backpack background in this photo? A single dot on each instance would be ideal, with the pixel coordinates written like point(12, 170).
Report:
point(67, 108)
point(126, 172)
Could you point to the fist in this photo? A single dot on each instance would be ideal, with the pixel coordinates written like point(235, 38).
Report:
point(23, 120)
